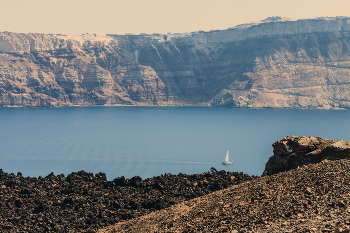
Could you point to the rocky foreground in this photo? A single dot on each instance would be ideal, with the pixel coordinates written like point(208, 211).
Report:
point(305, 188)
point(85, 202)
point(311, 198)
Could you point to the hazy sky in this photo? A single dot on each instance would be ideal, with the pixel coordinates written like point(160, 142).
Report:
point(153, 16)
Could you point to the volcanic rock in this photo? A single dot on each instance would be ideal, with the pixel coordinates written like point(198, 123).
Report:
point(85, 202)
point(294, 151)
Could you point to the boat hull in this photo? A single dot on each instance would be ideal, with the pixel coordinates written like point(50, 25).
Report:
point(227, 163)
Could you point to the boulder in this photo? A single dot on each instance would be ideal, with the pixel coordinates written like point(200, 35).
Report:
point(294, 151)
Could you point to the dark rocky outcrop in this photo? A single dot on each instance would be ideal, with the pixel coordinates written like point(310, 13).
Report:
point(84, 202)
point(276, 63)
point(294, 151)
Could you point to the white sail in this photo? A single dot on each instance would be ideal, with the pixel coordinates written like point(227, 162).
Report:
point(227, 160)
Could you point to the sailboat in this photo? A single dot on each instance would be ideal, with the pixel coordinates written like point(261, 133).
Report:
point(227, 160)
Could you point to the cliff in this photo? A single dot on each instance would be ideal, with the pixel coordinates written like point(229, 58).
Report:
point(275, 63)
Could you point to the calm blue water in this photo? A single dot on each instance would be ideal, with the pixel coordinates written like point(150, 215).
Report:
point(150, 141)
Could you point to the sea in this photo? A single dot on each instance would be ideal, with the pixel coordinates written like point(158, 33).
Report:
point(151, 141)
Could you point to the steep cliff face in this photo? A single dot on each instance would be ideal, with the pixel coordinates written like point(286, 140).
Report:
point(278, 64)
point(46, 70)
point(293, 71)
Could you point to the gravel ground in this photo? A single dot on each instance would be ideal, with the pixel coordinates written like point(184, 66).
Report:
point(311, 198)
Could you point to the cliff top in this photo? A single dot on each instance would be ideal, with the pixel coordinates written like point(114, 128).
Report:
point(168, 36)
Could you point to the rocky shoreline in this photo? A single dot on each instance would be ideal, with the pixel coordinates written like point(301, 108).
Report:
point(85, 202)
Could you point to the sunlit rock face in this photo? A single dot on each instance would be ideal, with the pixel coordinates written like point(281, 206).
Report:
point(276, 63)
point(295, 151)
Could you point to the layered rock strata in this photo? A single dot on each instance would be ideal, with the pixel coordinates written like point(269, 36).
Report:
point(276, 63)
point(294, 151)
point(44, 70)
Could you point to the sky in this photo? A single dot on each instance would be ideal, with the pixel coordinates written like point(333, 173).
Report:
point(153, 16)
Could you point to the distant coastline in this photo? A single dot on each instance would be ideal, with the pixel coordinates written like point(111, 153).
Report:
point(273, 63)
